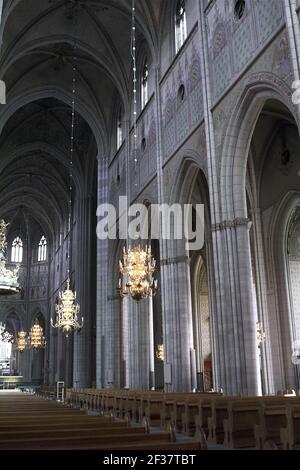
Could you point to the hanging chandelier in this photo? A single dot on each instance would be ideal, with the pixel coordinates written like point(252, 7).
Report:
point(36, 337)
point(136, 273)
point(260, 334)
point(8, 277)
point(160, 352)
point(67, 312)
point(21, 341)
point(67, 309)
point(5, 336)
point(137, 265)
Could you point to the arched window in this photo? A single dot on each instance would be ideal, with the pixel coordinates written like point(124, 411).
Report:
point(42, 249)
point(144, 84)
point(17, 250)
point(120, 128)
point(180, 25)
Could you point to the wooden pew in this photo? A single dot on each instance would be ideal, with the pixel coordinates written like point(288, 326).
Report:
point(290, 435)
point(273, 417)
point(213, 414)
point(242, 416)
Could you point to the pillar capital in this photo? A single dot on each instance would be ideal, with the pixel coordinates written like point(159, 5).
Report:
point(225, 224)
point(176, 260)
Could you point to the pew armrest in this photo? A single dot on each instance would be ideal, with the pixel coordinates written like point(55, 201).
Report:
point(259, 436)
point(211, 433)
point(227, 434)
point(284, 438)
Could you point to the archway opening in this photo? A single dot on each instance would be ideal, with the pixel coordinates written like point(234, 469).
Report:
point(202, 324)
point(9, 360)
point(273, 170)
point(194, 191)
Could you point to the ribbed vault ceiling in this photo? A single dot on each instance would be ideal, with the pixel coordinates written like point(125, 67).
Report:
point(39, 42)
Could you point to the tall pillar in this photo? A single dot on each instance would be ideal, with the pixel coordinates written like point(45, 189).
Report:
point(141, 354)
point(175, 289)
point(125, 343)
point(234, 330)
point(178, 330)
point(60, 357)
point(82, 338)
point(102, 307)
point(293, 30)
point(2, 84)
point(111, 346)
point(235, 352)
point(52, 355)
point(262, 301)
point(68, 374)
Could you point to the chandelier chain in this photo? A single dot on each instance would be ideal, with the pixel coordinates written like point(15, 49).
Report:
point(74, 84)
point(134, 77)
point(67, 309)
point(136, 266)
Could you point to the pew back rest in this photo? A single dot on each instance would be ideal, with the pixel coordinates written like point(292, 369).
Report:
point(243, 413)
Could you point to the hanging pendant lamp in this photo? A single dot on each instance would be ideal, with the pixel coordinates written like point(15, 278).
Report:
point(137, 265)
point(36, 337)
point(21, 341)
point(67, 309)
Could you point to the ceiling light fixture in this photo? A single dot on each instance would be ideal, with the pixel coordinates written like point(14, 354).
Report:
point(67, 309)
point(137, 264)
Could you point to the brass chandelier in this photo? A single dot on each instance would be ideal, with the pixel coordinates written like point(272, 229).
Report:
point(260, 334)
point(136, 273)
point(67, 309)
point(160, 352)
point(8, 278)
point(36, 338)
point(137, 265)
point(21, 341)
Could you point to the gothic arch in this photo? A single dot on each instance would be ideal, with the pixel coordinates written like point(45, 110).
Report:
point(238, 136)
point(280, 278)
point(39, 93)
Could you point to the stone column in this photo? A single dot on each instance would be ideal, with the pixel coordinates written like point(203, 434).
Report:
point(151, 346)
point(125, 342)
point(52, 355)
point(262, 303)
point(235, 353)
point(111, 343)
point(178, 324)
point(24, 365)
point(175, 288)
point(141, 362)
point(2, 84)
point(82, 338)
point(235, 321)
point(60, 357)
point(102, 307)
point(293, 30)
point(68, 376)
